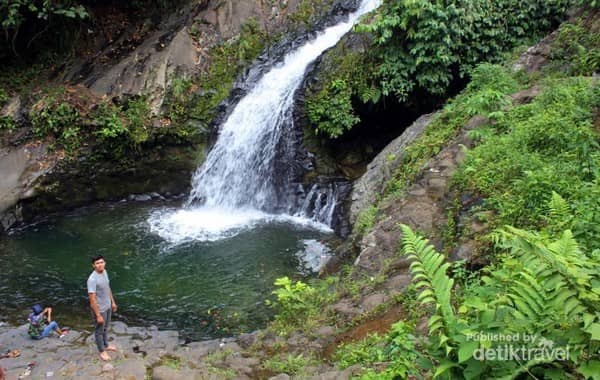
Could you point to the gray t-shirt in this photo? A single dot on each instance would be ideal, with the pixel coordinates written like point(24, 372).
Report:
point(98, 283)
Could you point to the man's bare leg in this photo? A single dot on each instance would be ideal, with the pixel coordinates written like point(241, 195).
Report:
point(111, 348)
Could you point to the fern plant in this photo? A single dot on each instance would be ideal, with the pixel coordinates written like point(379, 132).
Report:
point(543, 288)
point(429, 272)
point(561, 259)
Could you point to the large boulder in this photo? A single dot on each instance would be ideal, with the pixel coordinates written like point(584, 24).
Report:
point(380, 170)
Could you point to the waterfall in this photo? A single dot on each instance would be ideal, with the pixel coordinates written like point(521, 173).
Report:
point(236, 186)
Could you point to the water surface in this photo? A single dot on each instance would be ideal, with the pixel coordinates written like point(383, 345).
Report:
point(204, 289)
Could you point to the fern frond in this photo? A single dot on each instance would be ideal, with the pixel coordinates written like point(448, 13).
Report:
point(560, 213)
point(562, 257)
point(528, 296)
point(429, 271)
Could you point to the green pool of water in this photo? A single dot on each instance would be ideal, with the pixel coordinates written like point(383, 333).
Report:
point(202, 289)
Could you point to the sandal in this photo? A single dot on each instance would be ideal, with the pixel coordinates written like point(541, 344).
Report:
point(11, 354)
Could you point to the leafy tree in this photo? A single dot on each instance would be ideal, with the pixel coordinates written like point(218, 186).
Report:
point(427, 44)
point(421, 49)
point(332, 110)
point(37, 15)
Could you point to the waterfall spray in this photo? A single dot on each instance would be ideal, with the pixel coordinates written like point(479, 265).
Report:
point(235, 187)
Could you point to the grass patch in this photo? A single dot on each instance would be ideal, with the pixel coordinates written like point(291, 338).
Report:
point(291, 364)
point(535, 149)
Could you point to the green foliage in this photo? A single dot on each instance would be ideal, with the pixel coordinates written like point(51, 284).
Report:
point(227, 60)
point(365, 220)
point(37, 15)
point(110, 130)
point(488, 91)
point(15, 12)
point(396, 349)
point(177, 104)
point(422, 48)
point(423, 44)
point(73, 119)
point(430, 275)
point(486, 95)
point(544, 288)
point(536, 149)
point(331, 110)
point(577, 47)
point(59, 120)
point(290, 363)
point(296, 302)
point(588, 3)
point(307, 13)
point(171, 362)
point(366, 352)
point(3, 97)
point(545, 259)
point(7, 123)
point(109, 124)
point(136, 112)
point(344, 78)
point(22, 80)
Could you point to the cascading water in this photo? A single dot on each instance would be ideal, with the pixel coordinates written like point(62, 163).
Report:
point(236, 187)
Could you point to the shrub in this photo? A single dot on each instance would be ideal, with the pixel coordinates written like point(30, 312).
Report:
point(58, 120)
point(577, 48)
point(331, 110)
point(296, 301)
point(421, 49)
point(545, 288)
point(534, 150)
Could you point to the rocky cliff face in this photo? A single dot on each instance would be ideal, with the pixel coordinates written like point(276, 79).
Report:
point(142, 59)
point(179, 46)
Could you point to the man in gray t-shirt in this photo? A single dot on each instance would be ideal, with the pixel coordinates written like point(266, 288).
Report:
point(102, 305)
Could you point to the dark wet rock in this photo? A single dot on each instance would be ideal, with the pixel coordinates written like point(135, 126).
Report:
point(140, 351)
point(241, 365)
point(477, 121)
point(526, 96)
point(398, 283)
point(20, 168)
point(345, 309)
point(247, 340)
point(422, 207)
point(142, 198)
point(131, 370)
point(465, 251)
point(535, 57)
point(325, 331)
point(346, 374)
point(195, 351)
point(65, 184)
point(14, 109)
point(168, 373)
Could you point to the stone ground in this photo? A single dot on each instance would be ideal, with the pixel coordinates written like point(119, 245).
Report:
point(142, 354)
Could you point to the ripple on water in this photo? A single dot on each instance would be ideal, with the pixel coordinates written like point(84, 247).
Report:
point(155, 281)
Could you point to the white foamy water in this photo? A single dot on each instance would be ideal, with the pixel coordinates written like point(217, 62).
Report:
point(234, 187)
point(211, 224)
point(314, 255)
